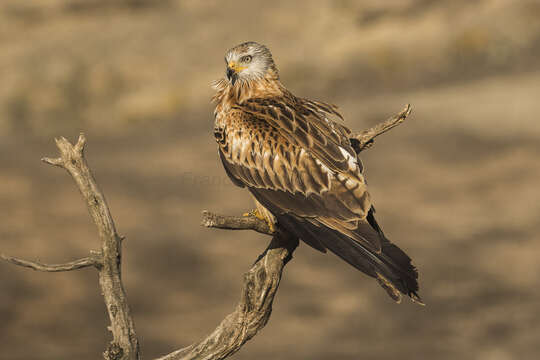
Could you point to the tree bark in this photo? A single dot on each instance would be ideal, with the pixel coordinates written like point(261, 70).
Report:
point(260, 283)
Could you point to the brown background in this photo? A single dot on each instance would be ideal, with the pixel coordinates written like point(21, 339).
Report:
point(456, 186)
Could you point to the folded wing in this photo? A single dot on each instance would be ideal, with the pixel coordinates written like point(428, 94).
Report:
point(296, 159)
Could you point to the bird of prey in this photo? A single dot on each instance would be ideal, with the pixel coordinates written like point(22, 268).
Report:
point(298, 161)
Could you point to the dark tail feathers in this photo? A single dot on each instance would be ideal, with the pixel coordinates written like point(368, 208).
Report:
point(391, 267)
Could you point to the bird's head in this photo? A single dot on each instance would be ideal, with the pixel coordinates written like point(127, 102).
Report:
point(249, 61)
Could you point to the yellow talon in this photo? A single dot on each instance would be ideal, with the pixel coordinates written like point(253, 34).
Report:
point(256, 213)
point(271, 226)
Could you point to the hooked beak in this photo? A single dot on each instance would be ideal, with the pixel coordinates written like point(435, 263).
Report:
point(232, 71)
point(231, 75)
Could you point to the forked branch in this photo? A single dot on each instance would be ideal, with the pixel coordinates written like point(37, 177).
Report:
point(260, 283)
point(253, 311)
point(125, 344)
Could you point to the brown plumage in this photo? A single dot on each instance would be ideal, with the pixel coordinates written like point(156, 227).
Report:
point(295, 157)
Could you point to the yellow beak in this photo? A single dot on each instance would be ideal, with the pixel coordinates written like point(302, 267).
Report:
point(235, 67)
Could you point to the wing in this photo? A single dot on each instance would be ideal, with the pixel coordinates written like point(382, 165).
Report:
point(296, 160)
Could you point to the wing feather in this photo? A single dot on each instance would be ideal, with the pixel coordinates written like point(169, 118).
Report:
point(296, 158)
point(309, 129)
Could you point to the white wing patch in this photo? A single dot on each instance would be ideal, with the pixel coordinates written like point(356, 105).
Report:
point(351, 160)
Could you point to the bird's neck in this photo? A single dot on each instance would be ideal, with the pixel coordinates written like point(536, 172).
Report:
point(228, 95)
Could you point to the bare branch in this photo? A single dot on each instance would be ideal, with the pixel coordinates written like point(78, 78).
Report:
point(69, 266)
point(125, 344)
point(235, 222)
point(260, 283)
point(366, 138)
point(251, 314)
point(54, 162)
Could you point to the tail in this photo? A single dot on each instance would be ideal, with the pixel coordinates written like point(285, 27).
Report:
point(392, 268)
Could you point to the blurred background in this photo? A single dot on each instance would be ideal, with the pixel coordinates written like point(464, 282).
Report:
point(456, 186)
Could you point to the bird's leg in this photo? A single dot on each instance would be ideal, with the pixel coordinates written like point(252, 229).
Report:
point(257, 213)
point(271, 225)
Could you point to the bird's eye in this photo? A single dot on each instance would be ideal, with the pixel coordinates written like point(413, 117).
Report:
point(246, 59)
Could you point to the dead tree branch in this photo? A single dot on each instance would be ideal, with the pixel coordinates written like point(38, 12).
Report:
point(125, 344)
point(365, 139)
point(253, 311)
point(260, 283)
point(72, 265)
point(235, 223)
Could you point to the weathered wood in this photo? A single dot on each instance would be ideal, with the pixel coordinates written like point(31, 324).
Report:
point(253, 311)
point(260, 283)
point(72, 265)
point(235, 222)
point(124, 344)
point(365, 139)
